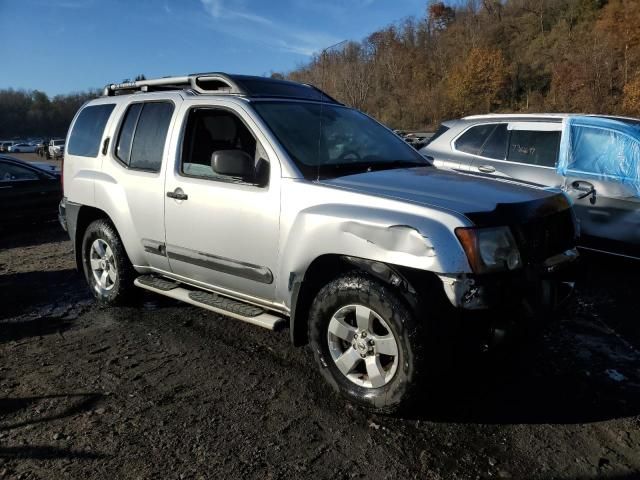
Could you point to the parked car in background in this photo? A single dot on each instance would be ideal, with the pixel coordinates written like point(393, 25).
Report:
point(22, 148)
point(269, 202)
point(27, 193)
point(5, 144)
point(56, 148)
point(595, 159)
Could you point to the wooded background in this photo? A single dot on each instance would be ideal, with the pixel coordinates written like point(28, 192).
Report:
point(490, 56)
point(483, 56)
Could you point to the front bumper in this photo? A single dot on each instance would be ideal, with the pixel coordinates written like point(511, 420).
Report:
point(496, 308)
point(62, 213)
point(546, 285)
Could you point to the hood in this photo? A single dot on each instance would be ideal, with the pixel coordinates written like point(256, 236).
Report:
point(484, 200)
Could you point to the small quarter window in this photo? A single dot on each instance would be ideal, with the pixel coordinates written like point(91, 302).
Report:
point(88, 129)
point(442, 129)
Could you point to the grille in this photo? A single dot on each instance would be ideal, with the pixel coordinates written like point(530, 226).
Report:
point(544, 237)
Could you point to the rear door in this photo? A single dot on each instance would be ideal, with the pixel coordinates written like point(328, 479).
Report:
point(137, 160)
point(525, 151)
point(469, 145)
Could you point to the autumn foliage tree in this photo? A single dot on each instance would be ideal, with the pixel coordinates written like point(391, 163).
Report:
point(475, 85)
point(490, 55)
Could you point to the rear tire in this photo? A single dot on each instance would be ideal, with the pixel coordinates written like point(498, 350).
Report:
point(107, 268)
point(367, 343)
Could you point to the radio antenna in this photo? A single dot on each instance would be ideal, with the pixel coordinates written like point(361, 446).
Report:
point(323, 56)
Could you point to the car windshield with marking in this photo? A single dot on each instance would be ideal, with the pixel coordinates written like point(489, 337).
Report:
point(328, 140)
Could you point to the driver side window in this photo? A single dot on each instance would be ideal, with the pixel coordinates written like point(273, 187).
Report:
point(210, 130)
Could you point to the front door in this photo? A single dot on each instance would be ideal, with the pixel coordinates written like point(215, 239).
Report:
point(600, 167)
point(222, 230)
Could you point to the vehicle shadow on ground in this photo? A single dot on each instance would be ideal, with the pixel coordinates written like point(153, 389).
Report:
point(585, 369)
point(78, 403)
point(29, 235)
point(37, 327)
point(47, 452)
point(74, 404)
point(21, 291)
point(492, 392)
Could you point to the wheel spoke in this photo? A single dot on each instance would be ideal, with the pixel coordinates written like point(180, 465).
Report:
point(112, 275)
point(103, 278)
point(339, 328)
point(348, 360)
point(386, 345)
point(99, 248)
point(363, 317)
point(375, 371)
point(95, 264)
point(108, 253)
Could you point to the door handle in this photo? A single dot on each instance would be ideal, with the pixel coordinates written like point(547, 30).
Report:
point(178, 194)
point(105, 145)
point(486, 169)
point(587, 188)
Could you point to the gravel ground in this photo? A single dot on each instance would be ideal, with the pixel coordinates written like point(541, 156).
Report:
point(165, 390)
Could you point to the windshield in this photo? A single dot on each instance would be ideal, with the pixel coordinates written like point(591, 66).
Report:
point(330, 140)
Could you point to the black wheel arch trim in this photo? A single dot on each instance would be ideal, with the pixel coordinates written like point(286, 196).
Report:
point(303, 289)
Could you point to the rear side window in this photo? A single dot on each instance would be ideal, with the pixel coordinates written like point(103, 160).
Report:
point(85, 137)
point(473, 139)
point(534, 147)
point(143, 135)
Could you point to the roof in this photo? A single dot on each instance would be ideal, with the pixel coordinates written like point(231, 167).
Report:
point(543, 116)
point(218, 83)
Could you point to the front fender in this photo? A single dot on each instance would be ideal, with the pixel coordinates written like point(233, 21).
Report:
point(388, 236)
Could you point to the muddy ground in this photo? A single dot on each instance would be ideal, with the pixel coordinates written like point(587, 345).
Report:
point(165, 390)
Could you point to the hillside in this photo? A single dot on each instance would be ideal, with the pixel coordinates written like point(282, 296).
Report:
point(490, 56)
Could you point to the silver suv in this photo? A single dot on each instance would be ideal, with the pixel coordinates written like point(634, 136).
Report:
point(594, 158)
point(271, 203)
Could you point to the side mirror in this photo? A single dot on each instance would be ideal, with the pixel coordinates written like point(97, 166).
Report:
point(233, 163)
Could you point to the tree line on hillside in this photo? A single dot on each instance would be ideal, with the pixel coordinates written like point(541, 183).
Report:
point(490, 56)
point(32, 114)
point(25, 113)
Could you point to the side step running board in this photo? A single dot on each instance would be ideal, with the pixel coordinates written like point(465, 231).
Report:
point(211, 301)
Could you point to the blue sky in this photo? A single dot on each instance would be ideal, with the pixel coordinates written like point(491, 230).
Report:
point(60, 46)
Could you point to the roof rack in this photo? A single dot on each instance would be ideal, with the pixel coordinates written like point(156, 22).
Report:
point(199, 83)
point(515, 115)
point(223, 83)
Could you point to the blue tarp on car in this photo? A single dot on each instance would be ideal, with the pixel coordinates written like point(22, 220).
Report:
point(602, 148)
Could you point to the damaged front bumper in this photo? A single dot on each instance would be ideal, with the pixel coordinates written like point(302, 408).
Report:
point(544, 285)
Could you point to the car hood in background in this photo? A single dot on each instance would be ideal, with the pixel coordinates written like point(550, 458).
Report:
point(486, 201)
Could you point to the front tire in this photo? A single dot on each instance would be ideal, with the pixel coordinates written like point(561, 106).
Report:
point(367, 343)
point(107, 268)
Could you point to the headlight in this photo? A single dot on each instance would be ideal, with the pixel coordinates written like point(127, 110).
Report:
point(490, 249)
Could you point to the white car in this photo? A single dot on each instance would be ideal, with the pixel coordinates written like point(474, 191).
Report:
point(22, 148)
